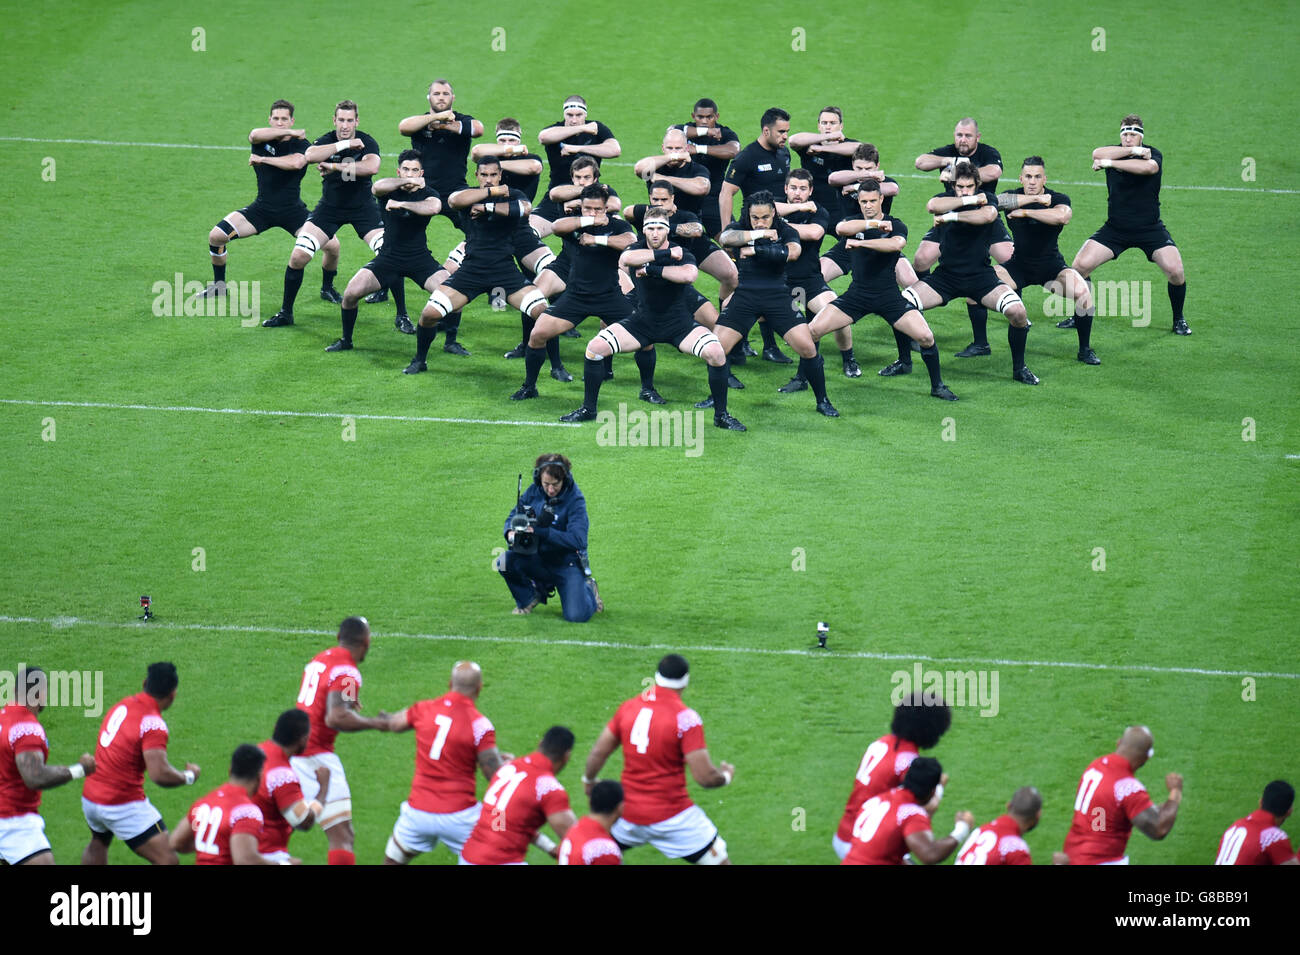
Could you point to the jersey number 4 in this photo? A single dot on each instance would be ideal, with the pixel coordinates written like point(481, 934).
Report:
point(640, 735)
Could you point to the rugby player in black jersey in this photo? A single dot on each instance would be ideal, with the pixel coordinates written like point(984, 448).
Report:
point(493, 212)
point(278, 155)
point(1133, 173)
point(766, 245)
point(346, 158)
point(663, 273)
point(967, 224)
point(875, 240)
point(824, 152)
point(593, 284)
point(714, 146)
point(408, 204)
point(965, 145)
point(564, 141)
point(1036, 215)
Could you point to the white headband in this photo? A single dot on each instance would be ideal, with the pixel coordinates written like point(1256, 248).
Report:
point(575, 104)
point(508, 134)
point(677, 684)
point(655, 218)
point(1131, 129)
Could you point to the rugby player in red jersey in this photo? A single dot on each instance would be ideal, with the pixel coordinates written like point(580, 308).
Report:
point(133, 742)
point(916, 725)
point(331, 686)
point(279, 795)
point(589, 841)
point(1001, 841)
point(524, 794)
point(896, 823)
point(452, 740)
point(24, 749)
point(661, 736)
point(1112, 802)
point(223, 828)
point(1257, 839)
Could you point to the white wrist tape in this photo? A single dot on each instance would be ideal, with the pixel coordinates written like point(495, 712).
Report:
point(701, 130)
point(1105, 163)
point(702, 150)
point(489, 207)
point(726, 777)
point(960, 831)
point(968, 200)
point(949, 217)
point(600, 239)
point(938, 793)
point(189, 777)
point(544, 842)
point(342, 147)
point(77, 771)
point(584, 221)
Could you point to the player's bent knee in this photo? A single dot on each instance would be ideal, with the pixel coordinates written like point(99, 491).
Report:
point(376, 243)
point(534, 303)
point(715, 854)
point(337, 813)
point(396, 853)
point(603, 345)
point(913, 298)
point(304, 244)
point(1009, 303)
point(439, 305)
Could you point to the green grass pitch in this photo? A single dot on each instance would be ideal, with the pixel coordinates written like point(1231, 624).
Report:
point(1119, 544)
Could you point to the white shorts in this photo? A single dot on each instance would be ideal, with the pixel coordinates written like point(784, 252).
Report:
point(420, 831)
point(840, 846)
point(279, 857)
point(124, 820)
point(22, 837)
point(684, 834)
point(339, 807)
point(1122, 860)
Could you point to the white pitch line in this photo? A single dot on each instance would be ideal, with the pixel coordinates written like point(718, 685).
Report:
point(64, 622)
point(1293, 457)
point(286, 414)
point(607, 162)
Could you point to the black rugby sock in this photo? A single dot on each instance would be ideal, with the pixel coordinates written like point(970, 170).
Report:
point(349, 323)
point(931, 358)
point(593, 376)
point(814, 371)
point(398, 290)
point(449, 326)
point(979, 320)
point(327, 278)
point(292, 282)
point(218, 272)
point(1083, 325)
point(552, 351)
point(645, 363)
point(1016, 338)
point(1176, 295)
point(769, 339)
point(718, 388)
point(904, 343)
point(846, 355)
point(533, 358)
point(424, 335)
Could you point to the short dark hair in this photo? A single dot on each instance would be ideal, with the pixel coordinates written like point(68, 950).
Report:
point(597, 190)
point(557, 741)
point(965, 169)
point(509, 124)
point(353, 630)
point(772, 116)
point(292, 726)
point(1279, 796)
point(704, 103)
point(1026, 801)
point(919, 722)
point(482, 161)
point(868, 185)
point(802, 174)
point(867, 152)
point(347, 104)
point(585, 162)
point(662, 184)
point(575, 98)
point(161, 679)
point(1132, 119)
point(674, 666)
point(606, 795)
point(556, 465)
point(246, 761)
point(1033, 161)
point(922, 776)
point(406, 155)
point(282, 104)
point(839, 113)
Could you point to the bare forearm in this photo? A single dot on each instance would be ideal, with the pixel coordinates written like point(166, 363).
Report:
point(36, 775)
point(927, 162)
point(606, 150)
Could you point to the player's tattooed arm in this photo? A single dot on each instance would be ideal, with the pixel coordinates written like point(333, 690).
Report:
point(37, 775)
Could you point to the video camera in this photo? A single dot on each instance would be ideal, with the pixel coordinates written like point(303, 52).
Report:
point(526, 522)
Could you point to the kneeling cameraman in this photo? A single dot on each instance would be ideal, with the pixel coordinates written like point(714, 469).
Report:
point(547, 532)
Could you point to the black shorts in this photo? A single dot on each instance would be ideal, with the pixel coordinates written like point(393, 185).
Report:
point(549, 210)
point(1025, 274)
point(610, 308)
point(525, 241)
point(649, 329)
point(330, 218)
point(966, 285)
point(1149, 239)
point(561, 265)
point(701, 248)
point(840, 255)
point(473, 279)
point(889, 304)
point(711, 217)
point(263, 219)
point(807, 289)
point(693, 299)
point(392, 271)
point(746, 305)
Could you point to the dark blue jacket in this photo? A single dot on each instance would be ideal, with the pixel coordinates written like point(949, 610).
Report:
point(559, 543)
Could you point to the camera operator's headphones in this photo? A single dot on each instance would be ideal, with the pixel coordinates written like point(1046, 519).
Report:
point(555, 462)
